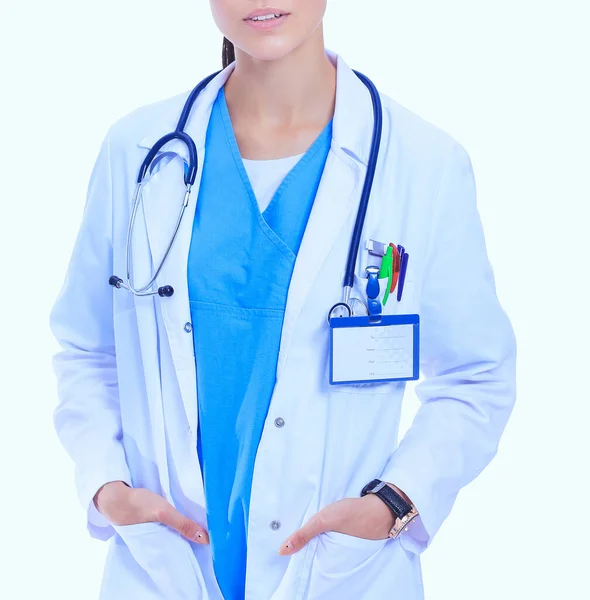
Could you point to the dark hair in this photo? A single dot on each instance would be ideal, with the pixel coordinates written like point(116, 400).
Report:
point(228, 54)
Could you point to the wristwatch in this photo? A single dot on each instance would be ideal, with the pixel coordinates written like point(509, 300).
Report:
point(403, 512)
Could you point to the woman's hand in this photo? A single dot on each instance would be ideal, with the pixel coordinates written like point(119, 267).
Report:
point(124, 505)
point(367, 517)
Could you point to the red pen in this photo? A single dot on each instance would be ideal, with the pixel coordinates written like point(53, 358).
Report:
point(395, 268)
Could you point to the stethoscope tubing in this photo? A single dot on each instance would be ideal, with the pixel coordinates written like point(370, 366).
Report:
point(142, 291)
point(355, 239)
point(368, 184)
point(190, 178)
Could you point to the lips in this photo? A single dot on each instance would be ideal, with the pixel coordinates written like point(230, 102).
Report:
point(268, 25)
point(269, 10)
point(268, 17)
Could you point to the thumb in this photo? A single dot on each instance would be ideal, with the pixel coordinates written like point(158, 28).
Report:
point(296, 541)
point(188, 528)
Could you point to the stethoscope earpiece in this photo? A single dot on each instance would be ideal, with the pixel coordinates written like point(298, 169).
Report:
point(115, 281)
point(165, 291)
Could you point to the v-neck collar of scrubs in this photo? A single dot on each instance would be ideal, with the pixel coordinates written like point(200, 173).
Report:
point(294, 172)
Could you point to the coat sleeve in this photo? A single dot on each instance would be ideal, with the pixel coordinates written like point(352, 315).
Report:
point(87, 418)
point(468, 355)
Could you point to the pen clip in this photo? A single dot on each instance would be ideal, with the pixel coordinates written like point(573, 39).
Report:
point(402, 275)
point(376, 248)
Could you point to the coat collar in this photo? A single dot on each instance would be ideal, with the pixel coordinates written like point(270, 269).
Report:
point(351, 127)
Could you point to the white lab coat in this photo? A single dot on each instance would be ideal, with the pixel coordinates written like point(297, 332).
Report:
point(127, 377)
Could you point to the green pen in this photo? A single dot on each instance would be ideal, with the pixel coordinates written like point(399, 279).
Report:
point(386, 270)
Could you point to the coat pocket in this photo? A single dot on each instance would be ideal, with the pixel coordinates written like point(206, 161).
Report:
point(342, 563)
point(392, 307)
point(345, 567)
point(166, 558)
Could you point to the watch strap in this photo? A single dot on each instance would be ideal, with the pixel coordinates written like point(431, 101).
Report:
point(399, 507)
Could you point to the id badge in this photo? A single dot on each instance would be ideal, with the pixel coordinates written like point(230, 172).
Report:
point(365, 350)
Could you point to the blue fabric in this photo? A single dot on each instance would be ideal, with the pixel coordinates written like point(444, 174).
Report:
point(239, 269)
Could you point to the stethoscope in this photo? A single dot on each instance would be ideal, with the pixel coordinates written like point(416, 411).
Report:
point(343, 308)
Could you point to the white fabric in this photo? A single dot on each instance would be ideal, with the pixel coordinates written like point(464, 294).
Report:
point(267, 175)
point(127, 377)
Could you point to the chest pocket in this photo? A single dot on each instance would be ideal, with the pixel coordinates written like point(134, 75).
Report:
point(394, 307)
point(407, 305)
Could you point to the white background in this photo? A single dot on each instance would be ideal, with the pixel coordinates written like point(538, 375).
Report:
point(508, 79)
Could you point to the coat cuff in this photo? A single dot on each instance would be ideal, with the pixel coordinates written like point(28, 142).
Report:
point(99, 527)
point(421, 531)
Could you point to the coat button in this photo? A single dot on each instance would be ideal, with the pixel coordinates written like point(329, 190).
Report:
point(279, 422)
point(188, 327)
point(274, 525)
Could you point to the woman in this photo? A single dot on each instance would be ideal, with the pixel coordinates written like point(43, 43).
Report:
point(254, 490)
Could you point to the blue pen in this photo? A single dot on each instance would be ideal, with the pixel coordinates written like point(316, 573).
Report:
point(401, 250)
point(402, 275)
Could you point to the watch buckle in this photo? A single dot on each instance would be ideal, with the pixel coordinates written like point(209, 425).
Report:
point(403, 523)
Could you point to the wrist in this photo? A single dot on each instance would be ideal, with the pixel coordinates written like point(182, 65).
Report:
point(401, 508)
point(379, 509)
point(111, 485)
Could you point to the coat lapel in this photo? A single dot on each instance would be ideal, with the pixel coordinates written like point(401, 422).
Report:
point(162, 197)
point(338, 194)
point(332, 209)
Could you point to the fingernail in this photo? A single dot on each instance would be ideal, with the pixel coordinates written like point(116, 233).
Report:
point(286, 548)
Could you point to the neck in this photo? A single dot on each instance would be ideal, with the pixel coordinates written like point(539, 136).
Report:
point(298, 88)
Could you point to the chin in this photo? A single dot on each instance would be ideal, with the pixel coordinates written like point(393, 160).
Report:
point(268, 50)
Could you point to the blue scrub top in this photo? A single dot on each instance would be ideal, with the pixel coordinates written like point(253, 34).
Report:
point(239, 269)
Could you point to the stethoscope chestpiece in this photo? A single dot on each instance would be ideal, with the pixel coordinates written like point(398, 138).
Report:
point(340, 309)
point(346, 309)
